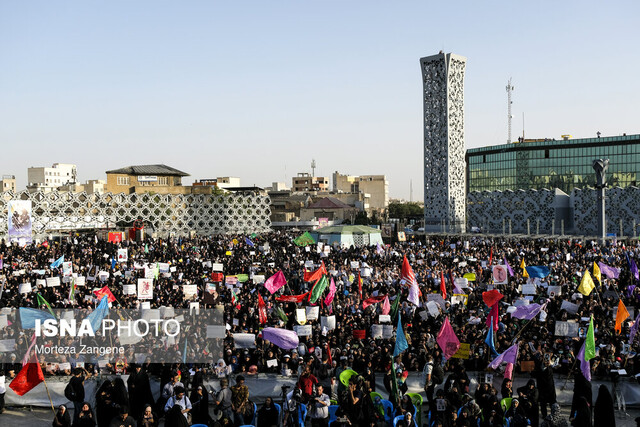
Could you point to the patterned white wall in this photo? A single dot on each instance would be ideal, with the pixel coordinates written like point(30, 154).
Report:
point(444, 143)
point(204, 214)
point(620, 204)
point(487, 209)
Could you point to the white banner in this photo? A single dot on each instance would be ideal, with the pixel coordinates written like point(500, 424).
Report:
point(53, 282)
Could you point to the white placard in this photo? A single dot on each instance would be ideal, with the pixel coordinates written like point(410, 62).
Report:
point(7, 345)
point(244, 340)
point(24, 288)
point(433, 308)
point(150, 314)
point(3, 321)
point(566, 329)
point(41, 282)
point(258, 279)
point(312, 313)
point(216, 331)
point(123, 255)
point(529, 289)
point(129, 289)
point(66, 366)
point(194, 307)
point(387, 331)
point(217, 267)
point(328, 322)
point(301, 316)
point(149, 273)
point(272, 363)
point(145, 305)
point(172, 269)
point(461, 282)
point(53, 282)
point(145, 288)
point(355, 265)
point(68, 315)
point(384, 318)
point(189, 291)
point(302, 330)
point(67, 268)
point(553, 291)
point(570, 307)
point(376, 331)
point(459, 299)
point(80, 281)
point(365, 272)
point(437, 298)
point(167, 312)
point(163, 267)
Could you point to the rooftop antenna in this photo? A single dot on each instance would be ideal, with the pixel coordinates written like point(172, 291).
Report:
point(509, 116)
point(313, 167)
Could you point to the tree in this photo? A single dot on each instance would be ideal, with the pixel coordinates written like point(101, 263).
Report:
point(405, 210)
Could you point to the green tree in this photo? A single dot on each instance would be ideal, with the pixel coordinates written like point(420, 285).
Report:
point(405, 210)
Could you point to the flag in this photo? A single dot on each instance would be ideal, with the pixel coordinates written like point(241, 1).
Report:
point(610, 272)
point(586, 284)
point(113, 264)
point(621, 316)
point(447, 339)
point(394, 307)
point(491, 297)
point(57, 263)
point(373, 300)
point(490, 256)
point(184, 351)
point(329, 359)
point(281, 314)
point(386, 307)
point(401, 340)
point(318, 289)
point(234, 299)
point(443, 286)
point(249, 242)
point(492, 318)
point(596, 272)
point(292, 298)
point(29, 376)
point(331, 294)
point(104, 291)
point(101, 311)
point(585, 366)
point(360, 286)
point(634, 270)
point(489, 342)
point(283, 338)
point(28, 317)
point(275, 282)
point(414, 295)
point(313, 276)
point(156, 271)
point(72, 290)
point(540, 271)
point(590, 342)
point(527, 312)
point(523, 266)
point(379, 249)
point(509, 356)
point(25, 359)
point(262, 310)
point(407, 272)
point(634, 329)
point(41, 301)
point(394, 383)
point(508, 266)
point(304, 239)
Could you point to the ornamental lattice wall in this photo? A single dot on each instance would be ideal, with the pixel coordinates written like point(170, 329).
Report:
point(444, 143)
point(622, 206)
point(167, 213)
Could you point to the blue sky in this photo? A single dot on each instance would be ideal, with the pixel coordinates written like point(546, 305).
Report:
point(257, 89)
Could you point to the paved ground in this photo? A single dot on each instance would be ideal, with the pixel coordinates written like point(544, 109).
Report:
point(39, 417)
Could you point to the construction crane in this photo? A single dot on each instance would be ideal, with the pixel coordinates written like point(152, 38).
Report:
point(509, 116)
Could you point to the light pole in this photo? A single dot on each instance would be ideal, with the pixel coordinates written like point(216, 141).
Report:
point(601, 166)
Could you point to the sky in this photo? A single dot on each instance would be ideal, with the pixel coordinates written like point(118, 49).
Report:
point(257, 89)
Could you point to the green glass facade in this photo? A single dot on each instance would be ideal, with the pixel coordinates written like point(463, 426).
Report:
point(563, 164)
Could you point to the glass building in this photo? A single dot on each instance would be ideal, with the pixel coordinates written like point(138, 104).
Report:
point(564, 164)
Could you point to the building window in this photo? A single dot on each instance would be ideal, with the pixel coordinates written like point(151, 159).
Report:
point(163, 180)
point(123, 180)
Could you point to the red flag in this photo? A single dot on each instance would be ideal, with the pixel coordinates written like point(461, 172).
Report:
point(216, 276)
point(29, 376)
point(443, 286)
point(491, 297)
point(373, 300)
point(105, 291)
point(313, 276)
point(360, 286)
point(492, 318)
point(262, 310)
point(292, 298)
point(490, 256)
point(359, 334)
point(329, 355)
point(407, 272)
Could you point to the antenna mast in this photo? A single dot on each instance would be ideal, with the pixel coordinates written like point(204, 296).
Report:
point(313, 167)
point(509, 116)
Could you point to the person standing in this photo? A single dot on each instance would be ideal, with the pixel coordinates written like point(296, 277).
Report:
point(180, 399)
point(74, 391)
point(546, 385)
point(223, 399)
point(239, 401)
point(319, 408)
point(139, 390)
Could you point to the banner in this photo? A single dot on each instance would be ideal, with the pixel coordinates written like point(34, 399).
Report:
point(19, 221)
point(145, 288)
point(123, 255)
point(463, 352)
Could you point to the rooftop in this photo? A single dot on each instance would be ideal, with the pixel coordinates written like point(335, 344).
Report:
point(149, 170)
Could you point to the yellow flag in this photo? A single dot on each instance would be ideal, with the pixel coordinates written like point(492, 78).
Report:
point(596, 272)
point(586, 284)
point(523, 266)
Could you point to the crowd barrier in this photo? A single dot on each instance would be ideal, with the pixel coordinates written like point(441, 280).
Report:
point(262, 386)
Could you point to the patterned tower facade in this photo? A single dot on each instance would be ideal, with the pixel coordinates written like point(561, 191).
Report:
point(444, 148)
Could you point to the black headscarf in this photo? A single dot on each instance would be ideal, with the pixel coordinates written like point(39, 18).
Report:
point(603, 414)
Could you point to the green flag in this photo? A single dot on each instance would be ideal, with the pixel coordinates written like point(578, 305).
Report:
point(156, 271)
point(590, 343)
point(304, 240)
point(41, 301)
point(394, 307)
point(395, 394)
point(281, 314)
point(72, 291)
point(318, 289)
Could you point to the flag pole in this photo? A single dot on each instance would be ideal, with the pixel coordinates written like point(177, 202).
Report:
point(55, 416)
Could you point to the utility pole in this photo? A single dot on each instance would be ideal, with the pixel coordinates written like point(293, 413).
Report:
point(509, 116)
point(313, 167)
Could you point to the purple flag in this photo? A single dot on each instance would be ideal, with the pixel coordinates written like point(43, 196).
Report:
point(509, 356)
point(634, 329)
point(413, 294)
point(283, 338)
point(610, 272)
point(585, 367)
point(275, 282)
point(508, 266)
point(634, 270)
point(527, 312)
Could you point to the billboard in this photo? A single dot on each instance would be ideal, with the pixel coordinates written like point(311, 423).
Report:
point(19, 220)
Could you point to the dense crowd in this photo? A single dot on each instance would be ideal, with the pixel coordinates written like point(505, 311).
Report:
point(358, 274)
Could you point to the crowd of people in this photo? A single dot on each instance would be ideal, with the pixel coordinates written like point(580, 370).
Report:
point(352, 340)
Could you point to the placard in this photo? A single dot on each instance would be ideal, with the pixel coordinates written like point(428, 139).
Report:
point(145, 305)
point(376, 331)
point(384, 318)
point(328, 322)
point(459, 299)
point(569, 307)
point(272, 363)
point(461, 282)
point(437, 298)
point(24, 288)
point(7, 345)
point(387, 332)
point(355, 265)
point(464, 351)
point(123, 255)
point(3, 321)
point(312, 313)
point(67, 269)
point(189, 291)
point(302, 330)
point(145, 288)
point(566, 329)
point(41, 282)
point(301, 316)
point(258, 279)
point(53, 282)
point(500, 275)
point(553, 291)
point(164, 267)
point(529, 289)
point(80, 281)
point(433, 308)
point(129, 289)
point(216, 331)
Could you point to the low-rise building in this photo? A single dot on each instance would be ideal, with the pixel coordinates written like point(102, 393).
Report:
point(221, 182)
point(160, 179)
point(8, 183)
point(306, 182)
point(48, 179)
point(376, 187)
point(97, 186)
point(330, 208)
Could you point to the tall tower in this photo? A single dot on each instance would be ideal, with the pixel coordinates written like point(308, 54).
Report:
point(444, 150)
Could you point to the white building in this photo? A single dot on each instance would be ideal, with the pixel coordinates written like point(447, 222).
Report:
point(47, 179)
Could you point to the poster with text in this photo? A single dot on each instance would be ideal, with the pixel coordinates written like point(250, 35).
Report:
point(145, 288)
point(19, 221)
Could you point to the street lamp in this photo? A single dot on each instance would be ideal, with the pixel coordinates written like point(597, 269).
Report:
point(600, 167)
